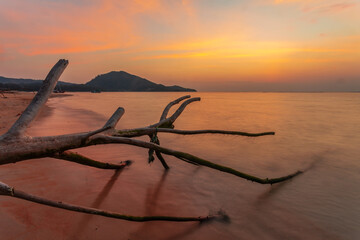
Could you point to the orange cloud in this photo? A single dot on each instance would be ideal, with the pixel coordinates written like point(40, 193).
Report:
point(330, 8)
point(43, 29)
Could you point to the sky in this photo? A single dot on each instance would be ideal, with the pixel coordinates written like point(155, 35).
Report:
point(209, 45)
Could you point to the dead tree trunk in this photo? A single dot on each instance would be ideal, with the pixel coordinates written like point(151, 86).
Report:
point(16, 146)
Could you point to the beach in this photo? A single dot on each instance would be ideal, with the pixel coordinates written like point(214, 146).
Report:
point(15, 103)
point(11, 108)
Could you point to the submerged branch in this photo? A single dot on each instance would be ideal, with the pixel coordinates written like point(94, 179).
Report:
point(182, 155)
point(154, 139)
point(146, 131)
point(162, 160)
point(9, 191)
point(192, 132)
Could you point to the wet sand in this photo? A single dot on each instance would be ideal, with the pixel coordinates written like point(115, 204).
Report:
point(15, 103)
point(11, 108)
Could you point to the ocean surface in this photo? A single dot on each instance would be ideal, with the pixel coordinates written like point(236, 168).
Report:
point(318, 133)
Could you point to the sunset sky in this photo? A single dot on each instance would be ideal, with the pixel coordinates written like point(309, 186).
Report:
point(210, 45)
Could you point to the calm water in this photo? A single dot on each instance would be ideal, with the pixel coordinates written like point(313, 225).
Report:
point(316, 132)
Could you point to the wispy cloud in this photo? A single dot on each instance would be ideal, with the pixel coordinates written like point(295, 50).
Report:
point(330, 8)
point(77, 27)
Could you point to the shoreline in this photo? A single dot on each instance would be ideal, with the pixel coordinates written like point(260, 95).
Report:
point(11, 107)
point(15, 103)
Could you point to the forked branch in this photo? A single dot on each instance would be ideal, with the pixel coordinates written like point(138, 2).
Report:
point(167, 122)
point(167, 108)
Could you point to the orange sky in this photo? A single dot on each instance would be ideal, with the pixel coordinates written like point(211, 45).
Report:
point(225, 45)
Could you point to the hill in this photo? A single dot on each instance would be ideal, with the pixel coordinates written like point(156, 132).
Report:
point(21, 84)
point(122, 82)
point(110, 82)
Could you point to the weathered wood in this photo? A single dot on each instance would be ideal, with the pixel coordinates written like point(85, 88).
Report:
point(137, 132)
point(189, 157)
point(167, 108)
point(38, 101)
point(167, 122)
point(114, 119)
point(9, 191)
point(154, 134)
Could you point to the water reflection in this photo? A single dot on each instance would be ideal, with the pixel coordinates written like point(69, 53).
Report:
point(314, 132)
point(83, 224)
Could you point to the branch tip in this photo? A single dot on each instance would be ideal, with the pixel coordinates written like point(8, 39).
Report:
point(167, 108)
point(114, 119)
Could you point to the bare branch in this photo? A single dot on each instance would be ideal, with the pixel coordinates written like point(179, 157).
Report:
point(192, 132)
point(170, 120)
point(155, 139)
point(146, 131)
point(78, 158)
point(182, 108)
point(167, 108)
point(9, 191)
point(19, 149)
point(114, 119)
point(162, 160)
point(39, 100)
point(182, 155)
point(92, 133)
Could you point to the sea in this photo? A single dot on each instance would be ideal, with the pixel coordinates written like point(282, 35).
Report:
point(318, 133)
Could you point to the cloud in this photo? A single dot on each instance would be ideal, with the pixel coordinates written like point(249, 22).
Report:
point(320, 6)
point(55, 27)
point(330, 8)
point(179, 38)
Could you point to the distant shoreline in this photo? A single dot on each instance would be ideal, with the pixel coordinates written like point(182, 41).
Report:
point(12, 106)
point(15, 103)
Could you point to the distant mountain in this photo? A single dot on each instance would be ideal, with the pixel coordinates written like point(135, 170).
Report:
point(109, 82)
point(124, 82)
point(21, 84)
point(17, 80)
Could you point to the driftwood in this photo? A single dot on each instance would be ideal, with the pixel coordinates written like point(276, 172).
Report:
point(16, 146)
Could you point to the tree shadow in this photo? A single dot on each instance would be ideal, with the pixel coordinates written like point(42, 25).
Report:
point(152, 196)
point(151, 204)
point(84, 222)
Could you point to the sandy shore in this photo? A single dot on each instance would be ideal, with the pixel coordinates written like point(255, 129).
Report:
point(14, 104)
point(11, 108)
